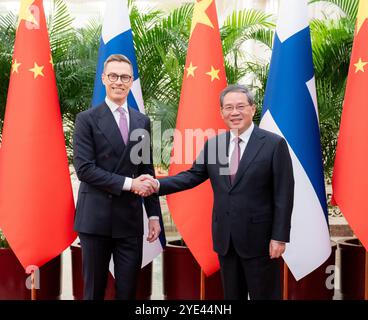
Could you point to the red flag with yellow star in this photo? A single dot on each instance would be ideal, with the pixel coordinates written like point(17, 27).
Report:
point(36, 200)
point(199, 108)
point(350, 174)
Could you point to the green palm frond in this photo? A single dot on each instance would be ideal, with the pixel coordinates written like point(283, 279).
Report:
point(329, 106)
point(332, 45)
point(164, 117)
point(76, 72)
point(141, 22)
point(180, 18)
point(8, 21)
point(259, 74)
point(233, 73)
point(241, 26)
point(91, 33)
point(264, 36)
point(61, 31)
point(349, 7)
point(161, 52)
point(7, 35)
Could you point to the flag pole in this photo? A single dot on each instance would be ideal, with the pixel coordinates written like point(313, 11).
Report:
point(286, 282)
point(366, 276)
point(33, 286)
point(202, 293)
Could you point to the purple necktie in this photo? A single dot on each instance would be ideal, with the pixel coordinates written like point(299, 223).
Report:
point(123, 125)
point(235, 159)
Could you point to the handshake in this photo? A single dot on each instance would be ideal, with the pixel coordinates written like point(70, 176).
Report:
point(144, 185)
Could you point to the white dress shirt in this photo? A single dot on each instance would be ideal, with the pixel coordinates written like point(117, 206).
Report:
point(114, 110)
point(243, 143)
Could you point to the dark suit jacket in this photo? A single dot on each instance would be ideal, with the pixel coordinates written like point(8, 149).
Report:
point(258, 206)
point(102, 161)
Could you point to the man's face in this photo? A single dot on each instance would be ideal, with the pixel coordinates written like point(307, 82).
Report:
point(117, 91)
point(237, 112)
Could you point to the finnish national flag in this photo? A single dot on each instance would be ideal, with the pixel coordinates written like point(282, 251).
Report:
point(117, 38)
point(290, 110)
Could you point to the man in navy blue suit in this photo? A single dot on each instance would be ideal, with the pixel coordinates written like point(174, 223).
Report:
point(109, 216)
point(253, 198)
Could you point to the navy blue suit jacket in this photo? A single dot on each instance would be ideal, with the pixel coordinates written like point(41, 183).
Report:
point(258, 206)
point(102, 162)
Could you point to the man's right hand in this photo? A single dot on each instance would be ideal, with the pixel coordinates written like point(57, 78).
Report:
point(144, 185)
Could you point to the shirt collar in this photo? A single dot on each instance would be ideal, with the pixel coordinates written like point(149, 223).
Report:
point(245, 135)
point(113, 106)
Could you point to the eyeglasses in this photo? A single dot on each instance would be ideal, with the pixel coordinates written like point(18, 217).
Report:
point(238, 108)
point(113, 77)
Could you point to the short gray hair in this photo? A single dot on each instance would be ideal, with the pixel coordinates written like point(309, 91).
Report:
point(236, 88)
point(118, 58)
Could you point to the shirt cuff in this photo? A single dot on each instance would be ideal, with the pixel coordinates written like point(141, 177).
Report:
point(154, 218)
point(158, 185)
point(127, 184)
point(280, 242)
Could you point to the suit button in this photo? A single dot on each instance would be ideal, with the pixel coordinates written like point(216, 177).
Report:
point(228, 213)
point(110, 196)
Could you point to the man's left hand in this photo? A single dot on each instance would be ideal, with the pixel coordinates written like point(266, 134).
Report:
point(154, 229)
point(277, 248)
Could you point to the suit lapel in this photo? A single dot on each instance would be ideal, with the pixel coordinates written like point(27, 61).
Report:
point(255, 143)
point(110, 129)
point(134, 123)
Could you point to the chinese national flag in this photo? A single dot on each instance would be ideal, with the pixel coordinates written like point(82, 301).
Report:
point(36, 200)
point(350, 175)
point(199, 108)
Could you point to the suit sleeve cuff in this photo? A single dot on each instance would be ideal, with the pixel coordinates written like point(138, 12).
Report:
point(127, 184)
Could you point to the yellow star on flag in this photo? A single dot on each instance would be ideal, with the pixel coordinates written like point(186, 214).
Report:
point(213, 73)
point(51, 61)
point(362, 14)
point(200, 15)
point(15, 66)
point(190, 70)
point(25, 13)
point(37, 70)
point(359, 66)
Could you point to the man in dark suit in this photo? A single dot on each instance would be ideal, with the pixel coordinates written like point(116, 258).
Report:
point(109, 216)
point(253, 198)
